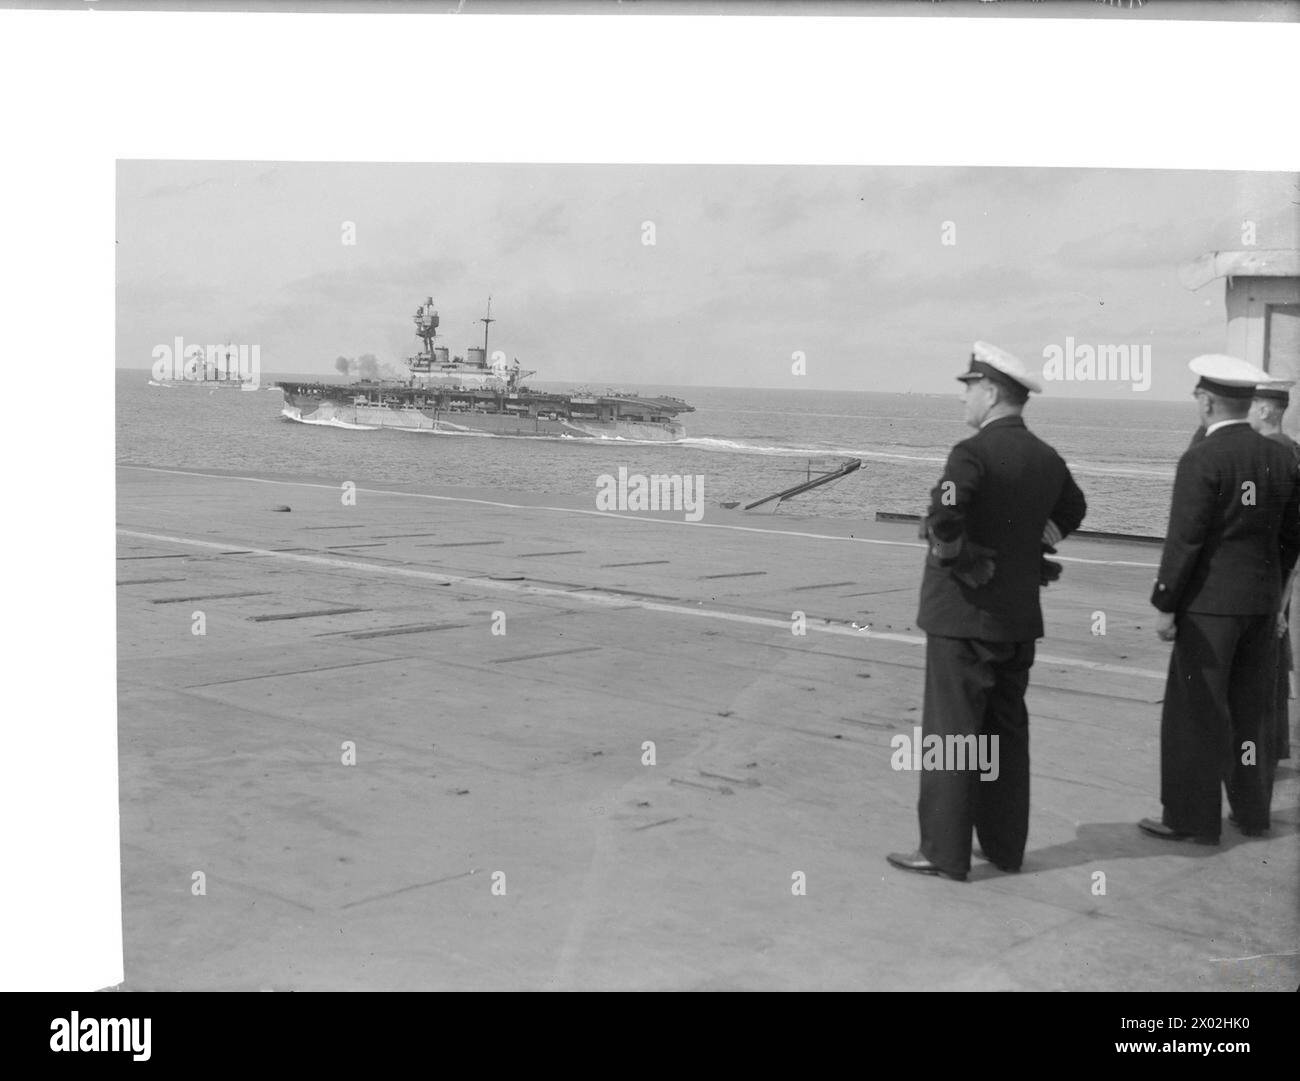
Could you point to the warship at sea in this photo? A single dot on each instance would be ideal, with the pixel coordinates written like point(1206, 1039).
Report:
point(218, 367)
point(471, 395)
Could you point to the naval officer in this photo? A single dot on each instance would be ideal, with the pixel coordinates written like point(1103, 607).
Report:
point(1267, 408)
point(1233, 538)
point(1266, 412)
point(1005, 498)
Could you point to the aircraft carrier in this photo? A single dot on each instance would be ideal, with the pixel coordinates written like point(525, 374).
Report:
point(442, 738)
point(472, 395)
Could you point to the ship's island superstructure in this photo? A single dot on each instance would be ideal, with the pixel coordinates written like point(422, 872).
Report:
point(472, 395)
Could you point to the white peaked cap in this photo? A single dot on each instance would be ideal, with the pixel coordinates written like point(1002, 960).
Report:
point(1275, 390)
point(985, 357)
point(1229, 371)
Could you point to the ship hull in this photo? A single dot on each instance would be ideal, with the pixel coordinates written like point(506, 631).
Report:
point(316, 410)
point(205, 384)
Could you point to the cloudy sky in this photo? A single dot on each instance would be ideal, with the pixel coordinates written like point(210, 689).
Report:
point(749, 265)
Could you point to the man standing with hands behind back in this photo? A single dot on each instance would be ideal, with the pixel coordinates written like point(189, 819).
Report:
point(1004, 499)
point(1233, 537)
point(1266, 414)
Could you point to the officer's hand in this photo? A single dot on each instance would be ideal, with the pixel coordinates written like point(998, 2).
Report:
point(1280, 628)
point(1165, 628)
point(975, 566)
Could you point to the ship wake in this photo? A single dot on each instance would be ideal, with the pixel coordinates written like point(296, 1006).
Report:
point(290, 413)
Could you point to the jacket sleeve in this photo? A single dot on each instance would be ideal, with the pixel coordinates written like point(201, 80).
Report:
point(1070, 507)
point(1191, 514)
point(1288, 538)
point(950, 500)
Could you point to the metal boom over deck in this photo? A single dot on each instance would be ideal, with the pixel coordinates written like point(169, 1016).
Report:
point(808, 485)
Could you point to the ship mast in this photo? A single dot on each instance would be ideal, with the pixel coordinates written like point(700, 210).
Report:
point(486, 320)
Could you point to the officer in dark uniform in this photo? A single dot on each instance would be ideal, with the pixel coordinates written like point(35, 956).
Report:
point(1004, 499)
point(1266, 412)
point(1233, 537)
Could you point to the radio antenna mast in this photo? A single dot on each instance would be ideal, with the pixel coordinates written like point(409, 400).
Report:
point(485, 320)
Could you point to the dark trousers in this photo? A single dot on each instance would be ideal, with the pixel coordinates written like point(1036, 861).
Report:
point(1282, 703)
point(976, 688)
point(1220, 696)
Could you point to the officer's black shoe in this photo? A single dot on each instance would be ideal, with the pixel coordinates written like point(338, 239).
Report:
point(917, 862)
point(1008, 868)
point(1156, 828)
point(1248, 831)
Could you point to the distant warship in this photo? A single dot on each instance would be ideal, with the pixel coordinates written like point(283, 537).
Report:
point(472, 396)
point(225, 367)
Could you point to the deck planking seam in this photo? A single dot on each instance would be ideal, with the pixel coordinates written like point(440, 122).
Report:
point(210, 597)
point(407, 889)
point(291, 672)
point(416, 628)
point(549, 653)
point(272, 617)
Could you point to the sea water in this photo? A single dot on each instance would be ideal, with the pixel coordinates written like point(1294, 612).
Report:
point(746, 444)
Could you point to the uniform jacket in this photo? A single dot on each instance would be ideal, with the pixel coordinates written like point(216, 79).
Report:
point(1286, 441)
point(1234, 526)
point(1002, 485)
